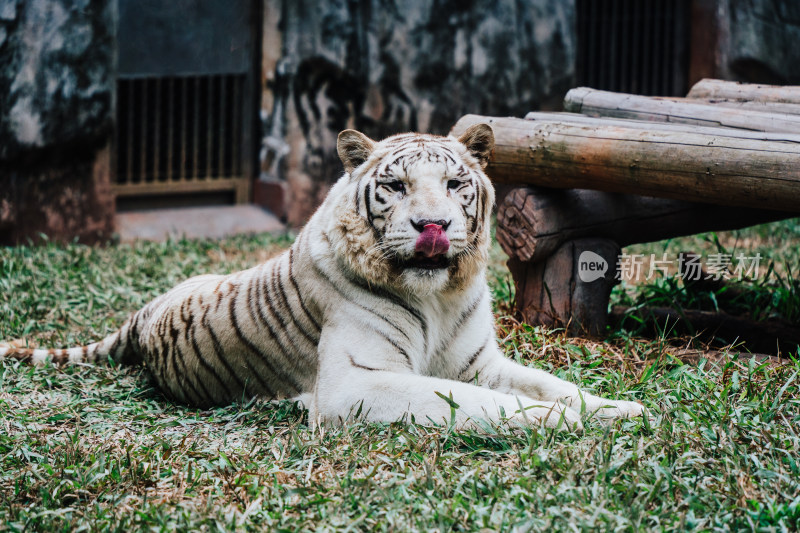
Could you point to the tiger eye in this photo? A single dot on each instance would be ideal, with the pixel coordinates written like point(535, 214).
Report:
point(396, 186)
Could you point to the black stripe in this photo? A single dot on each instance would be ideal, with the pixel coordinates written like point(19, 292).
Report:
point(352, 362)
point(112, 350)
point(206, 399)
point(253, 303)
point(129, 334)
point(190, 336)
point(58, 357)
point(484, 200)
point(174, 351)
point(249, 344)
point(385, 294)
point(152, 363)
point(220, 296)
point(297, 290)
point(479, 209)
point(465, 315)
point(394, 343)
point(161, 336)
point(221, 354)
point(350, 300)
point(20, 354)
point(164, 335)
point(192, 339)
point(271, 300)
point(218, 351)
point(137, 318)
point(288, 308)
point(244, 341)
point(210, 398)
point(275, 308)
point(170, 357)
point(367, 204)
point(474, 357)
point(182, 311)
point(395, 299)
point(264, 293)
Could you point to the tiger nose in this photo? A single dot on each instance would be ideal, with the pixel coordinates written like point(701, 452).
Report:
point(420, 224)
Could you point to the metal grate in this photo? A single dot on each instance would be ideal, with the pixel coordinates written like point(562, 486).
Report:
point(180, 134)
point(634, 46)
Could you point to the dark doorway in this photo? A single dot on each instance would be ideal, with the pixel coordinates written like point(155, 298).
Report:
point(186, 101)
point(634, 46)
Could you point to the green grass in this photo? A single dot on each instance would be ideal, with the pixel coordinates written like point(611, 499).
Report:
point(99, 448)
point(772, 294)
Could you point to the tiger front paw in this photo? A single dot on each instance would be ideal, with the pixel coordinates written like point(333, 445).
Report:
point(613, 409)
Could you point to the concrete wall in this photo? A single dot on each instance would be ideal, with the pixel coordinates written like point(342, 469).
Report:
point(384, 67)
point(758, 41)
point(56, 89)
point(381, 66)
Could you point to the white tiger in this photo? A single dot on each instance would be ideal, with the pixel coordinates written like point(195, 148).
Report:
point(380, 306)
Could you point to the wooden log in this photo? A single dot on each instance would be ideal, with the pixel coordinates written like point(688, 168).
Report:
point(533, 222)
point(710, 88)
point(570, 289)
point(763, 107)
point(682, 165)
point(577, 118)
point(619, 105)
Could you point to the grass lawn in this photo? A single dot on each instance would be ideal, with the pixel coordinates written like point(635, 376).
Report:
point(99, 448)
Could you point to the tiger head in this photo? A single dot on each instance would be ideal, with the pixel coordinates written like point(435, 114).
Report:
point(412, 211)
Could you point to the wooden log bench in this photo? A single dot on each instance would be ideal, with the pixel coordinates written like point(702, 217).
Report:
point(586, 186)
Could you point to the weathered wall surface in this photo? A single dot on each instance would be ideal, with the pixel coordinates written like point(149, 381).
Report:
point(383, 66)
point(759, 41)
point(56, 118)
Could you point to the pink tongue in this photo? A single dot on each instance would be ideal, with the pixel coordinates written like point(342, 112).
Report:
point(432, 241)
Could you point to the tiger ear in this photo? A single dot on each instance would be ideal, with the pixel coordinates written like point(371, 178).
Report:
point(354, 148)
point(479, 140)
